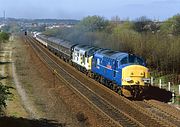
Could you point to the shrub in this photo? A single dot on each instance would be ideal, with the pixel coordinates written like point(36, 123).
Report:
point(4, 95)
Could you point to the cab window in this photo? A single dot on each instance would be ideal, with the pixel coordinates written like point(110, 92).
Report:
point(132, 59)
point(83, 59)
point(124, 61)
point(135, 60)
point(140, 61)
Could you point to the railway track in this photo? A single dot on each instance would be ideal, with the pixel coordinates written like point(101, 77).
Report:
point(123, 113)
point(159, 112)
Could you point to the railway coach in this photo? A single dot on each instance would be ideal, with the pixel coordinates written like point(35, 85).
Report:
point(61, 48)
point(42, 39)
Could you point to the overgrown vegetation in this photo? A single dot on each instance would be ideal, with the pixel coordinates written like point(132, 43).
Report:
point(157, 42)
point(4, 95)
point(4, 90)
point(4, 37)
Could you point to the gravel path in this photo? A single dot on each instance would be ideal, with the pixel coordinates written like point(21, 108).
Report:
point(27, 104)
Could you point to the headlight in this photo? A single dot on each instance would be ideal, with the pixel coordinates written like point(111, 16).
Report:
point(128, 79)
point(146, 80)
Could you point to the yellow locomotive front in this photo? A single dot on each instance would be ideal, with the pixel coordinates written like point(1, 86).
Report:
point(135, 78)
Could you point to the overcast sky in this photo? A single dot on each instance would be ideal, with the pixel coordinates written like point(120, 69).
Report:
point(77, 9)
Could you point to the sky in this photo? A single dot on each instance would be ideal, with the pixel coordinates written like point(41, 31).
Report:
point(78, 9)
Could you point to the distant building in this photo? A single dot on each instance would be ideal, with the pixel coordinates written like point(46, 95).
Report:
point(58, 26)
point(1, 25)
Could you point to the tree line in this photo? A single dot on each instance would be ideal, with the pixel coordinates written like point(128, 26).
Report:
point(157, 42)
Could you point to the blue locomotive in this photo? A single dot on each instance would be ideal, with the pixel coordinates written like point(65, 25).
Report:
point(122, 72)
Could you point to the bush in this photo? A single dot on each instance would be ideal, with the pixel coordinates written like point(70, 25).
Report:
point(4, 95)
point(4, 36)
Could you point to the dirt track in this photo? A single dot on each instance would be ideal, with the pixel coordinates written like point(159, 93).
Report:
point(34, 79)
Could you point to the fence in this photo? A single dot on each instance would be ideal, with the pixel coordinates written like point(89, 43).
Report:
point(168, 86)
point(175, 89)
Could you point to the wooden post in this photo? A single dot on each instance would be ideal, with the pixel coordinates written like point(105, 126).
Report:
point(173, 97)
point(152, 81)
point(169, 86)
point(160, 83)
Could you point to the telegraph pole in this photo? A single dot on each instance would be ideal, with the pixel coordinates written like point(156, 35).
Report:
point(4, 16)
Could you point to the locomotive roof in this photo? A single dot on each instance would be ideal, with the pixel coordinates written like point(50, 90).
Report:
point(92, 50)
point(111, 54)
point(86, 48)
point(83, 47)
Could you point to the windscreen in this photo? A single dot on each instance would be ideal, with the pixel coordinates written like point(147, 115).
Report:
point(136, 60)
point(132, 59)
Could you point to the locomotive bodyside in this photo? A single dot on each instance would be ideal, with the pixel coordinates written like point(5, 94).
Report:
point(42, 39)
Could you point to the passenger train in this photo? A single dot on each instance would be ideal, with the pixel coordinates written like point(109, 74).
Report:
point(124, 73)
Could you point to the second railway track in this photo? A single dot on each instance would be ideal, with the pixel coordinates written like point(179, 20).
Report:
point(159, 112)
point(122, 114)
